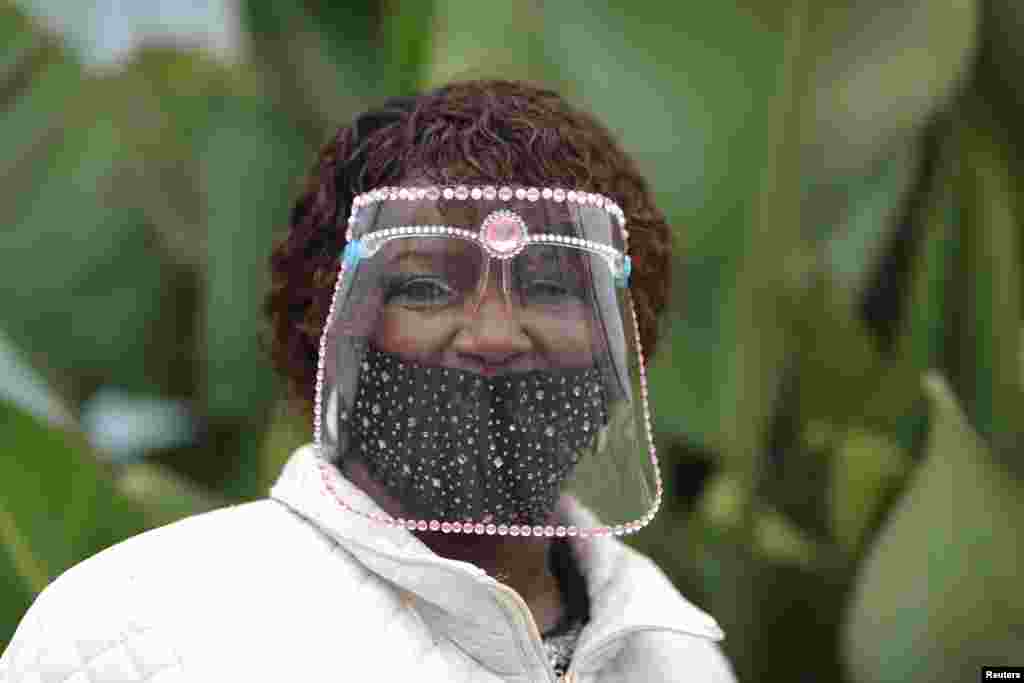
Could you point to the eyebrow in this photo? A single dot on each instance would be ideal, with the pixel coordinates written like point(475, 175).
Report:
point(567, 262)
point(415, 250)
point(400, 257)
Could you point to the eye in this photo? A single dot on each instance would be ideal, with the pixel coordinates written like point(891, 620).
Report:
point(550, 291)
point(419, 291)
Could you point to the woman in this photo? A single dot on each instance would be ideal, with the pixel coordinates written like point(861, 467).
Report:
point(480, 410)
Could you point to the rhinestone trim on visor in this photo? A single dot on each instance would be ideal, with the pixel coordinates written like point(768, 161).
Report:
point(490, 193)
point(329, 475)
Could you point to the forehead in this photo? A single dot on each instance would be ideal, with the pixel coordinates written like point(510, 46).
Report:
point(464, 257)
point(540, 217)
point(430, 249)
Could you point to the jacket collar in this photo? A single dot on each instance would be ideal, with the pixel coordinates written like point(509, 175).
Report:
point(628, 592)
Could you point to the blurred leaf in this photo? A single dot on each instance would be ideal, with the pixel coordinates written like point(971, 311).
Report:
point(21, 385)
point(836, 350)
point(59, 507)
point(163, 495)
point(163, 101)
point(489, 40)
point(408, 41)
point(881, 69)
point(986, 303)
point(795, 636)
point(38, 79)
point(853, 215)
point(771, 269)
point(321, 60)
point(124, 427)
point(694, 121)
point(780, 617)
point(866, 467)
point(922, 340)
point(781, 541)
point(723, 502)
point(26, 97)
point(288, 429)
point(1001, 60)
point(776, 539)
point(939, 595)
point(17, 593)
point(88, 310)
point(250, 166)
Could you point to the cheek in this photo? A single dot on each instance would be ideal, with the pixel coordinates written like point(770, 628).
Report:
point(413, 334)
point(359, 316)
point(566, 336)
point(567, 339)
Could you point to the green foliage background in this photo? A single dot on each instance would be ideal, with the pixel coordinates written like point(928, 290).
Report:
point(837, 401)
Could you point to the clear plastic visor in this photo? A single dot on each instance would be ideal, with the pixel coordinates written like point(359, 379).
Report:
point(481, 366)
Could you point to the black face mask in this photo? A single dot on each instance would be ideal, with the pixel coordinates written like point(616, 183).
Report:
point(453, 445)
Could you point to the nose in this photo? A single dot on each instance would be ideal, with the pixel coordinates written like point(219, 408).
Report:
point(492, 336)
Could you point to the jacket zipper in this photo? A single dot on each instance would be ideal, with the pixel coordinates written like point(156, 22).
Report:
point(534, 635)
point(531, 626)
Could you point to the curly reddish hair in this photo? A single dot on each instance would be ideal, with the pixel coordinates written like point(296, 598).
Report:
point(485, 132)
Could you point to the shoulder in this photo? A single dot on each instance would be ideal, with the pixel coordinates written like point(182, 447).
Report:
point(189, 550)
point(127, 612)
point(662, 656)
point(634, 590)
point(689, 638)
point(667, 632)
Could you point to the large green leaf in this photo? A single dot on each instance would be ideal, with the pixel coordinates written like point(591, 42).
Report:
point(163, 101)
point(1003, 59)
point(489, 40)
point(939, 595)
point(59, 506)
point(80, 276)
point(986, 311)
point(407, 39)
point(251, 164)
point(881, 69)
point(322, 61)
point(867, 466)
point(90, 307)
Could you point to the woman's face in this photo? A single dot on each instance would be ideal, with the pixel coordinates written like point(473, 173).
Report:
point(446, 302)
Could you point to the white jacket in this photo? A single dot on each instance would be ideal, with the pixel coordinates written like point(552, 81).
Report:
point(295, 588)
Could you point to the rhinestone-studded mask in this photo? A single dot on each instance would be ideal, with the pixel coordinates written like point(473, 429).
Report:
point(450, 444)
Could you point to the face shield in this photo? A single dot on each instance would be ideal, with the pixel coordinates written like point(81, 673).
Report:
point(481, 361)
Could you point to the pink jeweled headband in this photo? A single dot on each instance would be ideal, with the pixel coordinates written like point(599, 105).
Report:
point(503, 235)
point(491, 193)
